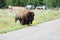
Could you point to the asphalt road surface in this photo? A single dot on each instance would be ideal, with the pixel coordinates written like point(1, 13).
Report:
point(45, 31)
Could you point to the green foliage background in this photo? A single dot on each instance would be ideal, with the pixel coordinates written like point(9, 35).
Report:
point(48, 3)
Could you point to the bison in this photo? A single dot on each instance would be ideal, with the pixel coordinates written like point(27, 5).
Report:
point(25, 17)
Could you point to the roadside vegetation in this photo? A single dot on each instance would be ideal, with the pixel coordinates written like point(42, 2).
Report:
point(7, 19)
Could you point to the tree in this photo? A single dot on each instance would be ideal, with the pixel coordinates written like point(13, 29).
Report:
point(41, 2)
point(57, 3)
point(33, 2)
point(48, 3)
point(9, 2)
point(52, 3)
point(2, 3)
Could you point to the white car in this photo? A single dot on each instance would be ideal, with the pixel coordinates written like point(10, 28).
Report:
point(41, 7)
point(30, 7)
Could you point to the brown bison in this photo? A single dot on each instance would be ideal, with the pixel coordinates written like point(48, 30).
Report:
point(25, 17)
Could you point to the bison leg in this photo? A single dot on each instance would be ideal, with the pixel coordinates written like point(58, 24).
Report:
point(27, 22)
point(16, 19)
point(31, 22)
point(22, 22)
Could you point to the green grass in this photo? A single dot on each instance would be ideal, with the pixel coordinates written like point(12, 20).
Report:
point(7, 19)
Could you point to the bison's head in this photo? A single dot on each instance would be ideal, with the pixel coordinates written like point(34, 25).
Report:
point(30, 14)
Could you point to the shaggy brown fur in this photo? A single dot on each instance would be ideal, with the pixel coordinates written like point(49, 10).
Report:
point(25, 17)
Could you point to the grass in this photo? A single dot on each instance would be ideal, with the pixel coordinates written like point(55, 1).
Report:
point(7, 19)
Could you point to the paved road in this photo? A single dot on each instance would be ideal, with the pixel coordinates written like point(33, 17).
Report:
point(46, 31)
